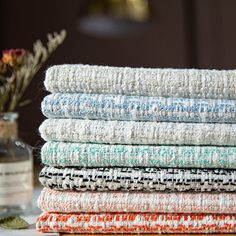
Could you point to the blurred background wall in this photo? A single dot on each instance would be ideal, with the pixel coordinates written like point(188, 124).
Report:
point(175, 33)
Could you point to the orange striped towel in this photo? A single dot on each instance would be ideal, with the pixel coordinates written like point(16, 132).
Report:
point(136, 223)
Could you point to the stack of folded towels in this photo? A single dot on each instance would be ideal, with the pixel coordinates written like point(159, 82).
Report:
point(134, 150)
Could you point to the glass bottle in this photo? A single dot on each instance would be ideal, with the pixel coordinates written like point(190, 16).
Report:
point(16, 168)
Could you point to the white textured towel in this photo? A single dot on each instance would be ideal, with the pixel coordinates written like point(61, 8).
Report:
point(129, 132)
point(185, 83)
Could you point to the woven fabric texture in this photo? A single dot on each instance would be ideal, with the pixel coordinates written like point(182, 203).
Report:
point(104, 155)
point(136, 223)
point(129, 132)
point(67, 201)
point(141, 179)
point(138, 108)
point(186, 83)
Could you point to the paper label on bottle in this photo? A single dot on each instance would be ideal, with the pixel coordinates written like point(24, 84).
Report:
point(16, 183)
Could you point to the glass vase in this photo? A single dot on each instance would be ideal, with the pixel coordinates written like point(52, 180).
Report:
point(16, 169)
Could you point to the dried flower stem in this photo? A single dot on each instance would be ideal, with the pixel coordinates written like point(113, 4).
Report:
point(12, 91)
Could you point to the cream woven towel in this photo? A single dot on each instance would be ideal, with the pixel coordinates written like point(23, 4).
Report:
point(129, 132)
point(185, 83)
point(64, 201)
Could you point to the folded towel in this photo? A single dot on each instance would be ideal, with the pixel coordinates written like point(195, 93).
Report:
point(64, 201)
point(145, 179)
point(190, 83)
point(105, 155)
point(136, 223)
point(129, 132)
point(138, 108)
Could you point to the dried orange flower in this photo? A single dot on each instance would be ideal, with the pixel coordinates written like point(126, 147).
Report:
point(18, 67)
point(13, 57)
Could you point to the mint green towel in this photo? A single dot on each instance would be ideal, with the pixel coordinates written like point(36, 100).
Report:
point(95, 155)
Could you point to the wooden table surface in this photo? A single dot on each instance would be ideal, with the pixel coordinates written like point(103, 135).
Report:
point(144, 234)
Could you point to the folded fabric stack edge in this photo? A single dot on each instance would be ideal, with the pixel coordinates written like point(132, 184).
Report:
point(138, 108)
point(153, 202)
point(105, 155)
point(130, 132)
point(142, 179)
point(182, 83)
point(136, 223)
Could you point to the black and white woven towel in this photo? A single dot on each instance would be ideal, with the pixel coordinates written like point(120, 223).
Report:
point(145, 179)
